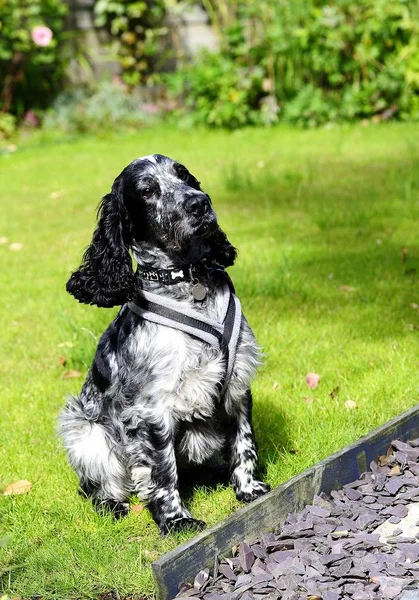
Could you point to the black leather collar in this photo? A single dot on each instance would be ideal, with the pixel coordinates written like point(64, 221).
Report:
point(189, 273)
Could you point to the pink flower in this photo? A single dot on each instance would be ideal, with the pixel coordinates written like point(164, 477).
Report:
point(41, 35)
point(30, 118)
point(150, 108)
point(312, 380)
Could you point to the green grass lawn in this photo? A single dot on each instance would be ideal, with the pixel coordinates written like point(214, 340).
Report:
point(327, 226)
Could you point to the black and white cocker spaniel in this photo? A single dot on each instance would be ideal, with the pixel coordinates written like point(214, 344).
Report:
point(170, 382)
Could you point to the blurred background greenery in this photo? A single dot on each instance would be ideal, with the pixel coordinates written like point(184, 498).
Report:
point(221, 63)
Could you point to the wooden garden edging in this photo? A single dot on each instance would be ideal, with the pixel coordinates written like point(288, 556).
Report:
point(182, 563)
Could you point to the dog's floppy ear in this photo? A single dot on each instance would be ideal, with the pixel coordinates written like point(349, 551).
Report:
point(106, 277)
point(221, 250)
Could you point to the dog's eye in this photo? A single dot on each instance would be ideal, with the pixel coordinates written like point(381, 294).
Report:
point(147, 191)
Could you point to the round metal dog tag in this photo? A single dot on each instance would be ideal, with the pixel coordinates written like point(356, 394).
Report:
point(199, 292)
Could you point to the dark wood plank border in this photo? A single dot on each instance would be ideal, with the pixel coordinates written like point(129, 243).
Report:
point(182, 563)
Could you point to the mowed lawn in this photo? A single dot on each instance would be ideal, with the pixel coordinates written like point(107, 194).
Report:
point(327, 225)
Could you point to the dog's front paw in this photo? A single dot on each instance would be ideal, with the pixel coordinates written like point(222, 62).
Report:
point(181, 524)
point(252, 491)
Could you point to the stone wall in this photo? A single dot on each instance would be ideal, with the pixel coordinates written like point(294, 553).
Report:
point(89, 56)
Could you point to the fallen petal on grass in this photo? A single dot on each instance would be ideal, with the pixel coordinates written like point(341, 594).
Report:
point(57, 194)
point(71, 374)
point(17, 487)
point(4, 240)
point(150, 554)
point(312, 380)
point(347, 289)
point(275, 386)
point(16, 246)
point(414, 305)
point(65, 345)
point(350, 404)
point(137, 508)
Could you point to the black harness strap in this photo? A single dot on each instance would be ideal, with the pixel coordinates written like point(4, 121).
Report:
point(161, 310)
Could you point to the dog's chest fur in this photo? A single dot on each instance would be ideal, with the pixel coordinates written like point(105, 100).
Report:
point(182, 373)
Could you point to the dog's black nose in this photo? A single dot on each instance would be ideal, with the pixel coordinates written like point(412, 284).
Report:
point(198, 205)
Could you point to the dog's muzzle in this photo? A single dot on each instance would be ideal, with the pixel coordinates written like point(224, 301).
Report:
point(197, 205)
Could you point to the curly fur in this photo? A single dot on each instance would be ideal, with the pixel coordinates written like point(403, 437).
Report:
point(151, 400)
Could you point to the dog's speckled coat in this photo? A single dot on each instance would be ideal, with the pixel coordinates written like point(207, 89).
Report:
point(151, 399)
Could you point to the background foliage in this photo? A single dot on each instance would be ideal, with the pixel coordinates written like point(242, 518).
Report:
point(306, 62)
point(30, 75)
point(99, 109)
point(137, 30)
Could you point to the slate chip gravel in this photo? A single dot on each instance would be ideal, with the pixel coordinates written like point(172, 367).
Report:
point(329, 550)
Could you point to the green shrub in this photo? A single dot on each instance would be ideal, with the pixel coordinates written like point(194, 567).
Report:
point(218, 92)
point(7, 125)
point(31, 66)
point(309, 63)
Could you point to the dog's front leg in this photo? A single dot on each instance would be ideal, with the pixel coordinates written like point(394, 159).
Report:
point(243, 456)
point(165, 503)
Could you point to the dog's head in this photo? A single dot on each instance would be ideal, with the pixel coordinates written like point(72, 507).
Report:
point(155, 201)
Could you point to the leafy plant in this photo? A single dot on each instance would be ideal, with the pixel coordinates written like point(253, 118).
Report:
point(137, 30)
point(219, 92)
point(31, 63)
point(308, 62)
point(7, 125)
